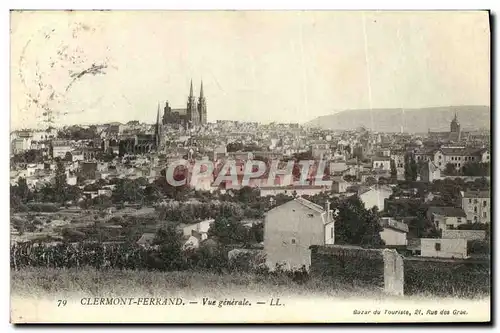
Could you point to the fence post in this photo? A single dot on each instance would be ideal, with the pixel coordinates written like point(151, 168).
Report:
point(393, 272)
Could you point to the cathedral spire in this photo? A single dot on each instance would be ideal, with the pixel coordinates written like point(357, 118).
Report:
point(157, 127)
point(191, 89)
point(158, 115)
point(201, 90)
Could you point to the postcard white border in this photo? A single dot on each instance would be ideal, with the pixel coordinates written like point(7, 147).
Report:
point(185, 4)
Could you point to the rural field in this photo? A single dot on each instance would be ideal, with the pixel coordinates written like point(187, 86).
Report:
point(44, 282)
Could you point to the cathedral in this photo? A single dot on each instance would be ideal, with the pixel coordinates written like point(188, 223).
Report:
point(454, 135)
point(194, 114)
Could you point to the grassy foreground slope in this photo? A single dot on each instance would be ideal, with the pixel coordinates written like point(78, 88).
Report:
point(91, 282)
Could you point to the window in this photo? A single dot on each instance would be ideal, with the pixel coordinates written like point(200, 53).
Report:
point(331, 232)
point(475, 201)
point(449, 226)
point(439, 163)
point(310, 215)
point(485, 203)
point(293, 240)
point(437, 246)
point(470, 200)
point(475, 209)
point(475, 219)
point(485, 214)
point(459, 220)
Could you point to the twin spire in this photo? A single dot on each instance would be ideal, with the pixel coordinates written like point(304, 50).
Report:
point(191, 89)
point(191, 101)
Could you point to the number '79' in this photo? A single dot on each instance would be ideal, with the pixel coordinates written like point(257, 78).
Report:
point(61, 302)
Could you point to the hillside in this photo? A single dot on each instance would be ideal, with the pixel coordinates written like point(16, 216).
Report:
point(473, 117)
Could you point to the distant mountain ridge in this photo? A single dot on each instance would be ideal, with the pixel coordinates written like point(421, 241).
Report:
point(417, 120)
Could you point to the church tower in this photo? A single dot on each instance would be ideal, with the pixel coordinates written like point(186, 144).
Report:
point(455, 134)
point(202, 106)
point(455, 125)
point(157, 128)
point(192, 112)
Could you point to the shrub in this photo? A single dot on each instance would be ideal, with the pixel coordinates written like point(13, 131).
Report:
point(43, 207)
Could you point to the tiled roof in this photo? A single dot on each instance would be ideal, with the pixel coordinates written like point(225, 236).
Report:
point(393, 224)
point(460, 151)
point(477, 194)
point(413, 244)
point(310, 204)
point(381, 158)
point(374, 187)
point(447, 211)
point(146, 238)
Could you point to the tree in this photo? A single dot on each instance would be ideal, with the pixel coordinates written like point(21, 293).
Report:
point(356, 225)
point(28, 156)
point(349, 178)
point(72, 193)
point(476, 169)
point(227, 230)
point(151, 194)
point(169, 245)
point(421, 227)
point(370, 181)
point(60, 181)
point(46, 194)
point(234, 147)
point(127, 190)
point(68, 157)
point(450, 169)
point(247, 194)
point(22, 190)
point(20, 194)
point(173, 192)
point(394, 171)
point(102, 202)
point(257, 232)
point(72, 235)
point(411, 168)
point(478, 247)
point(107, 156)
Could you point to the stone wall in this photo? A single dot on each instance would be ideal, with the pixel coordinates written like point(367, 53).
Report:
point(463, 278)
point(398, 275)
point(348, 264)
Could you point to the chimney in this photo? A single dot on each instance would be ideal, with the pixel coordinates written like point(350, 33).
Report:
point(328, 211)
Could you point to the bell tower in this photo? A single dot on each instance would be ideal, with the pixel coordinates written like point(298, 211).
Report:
point(455, 125)
point(202, 106)
point(192, 112)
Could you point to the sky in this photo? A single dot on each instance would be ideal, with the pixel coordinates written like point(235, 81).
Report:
point(288, 66)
